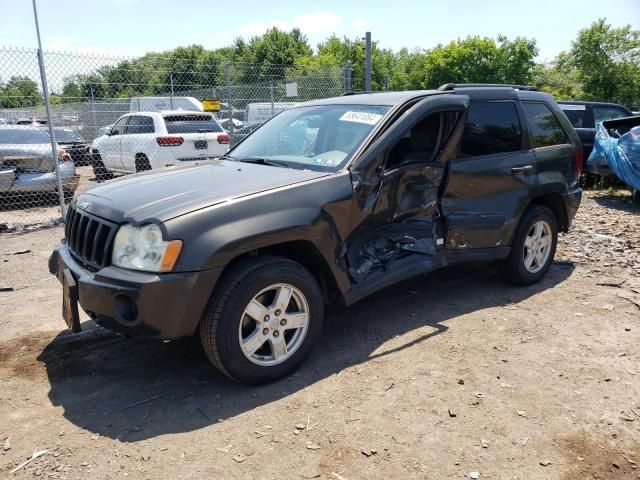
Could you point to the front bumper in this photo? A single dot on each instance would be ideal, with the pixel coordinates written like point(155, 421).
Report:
point(165, 306)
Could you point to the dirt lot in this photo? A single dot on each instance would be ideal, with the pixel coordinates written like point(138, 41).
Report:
point(440, 377)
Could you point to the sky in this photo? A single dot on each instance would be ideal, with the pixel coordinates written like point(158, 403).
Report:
point(134, 27)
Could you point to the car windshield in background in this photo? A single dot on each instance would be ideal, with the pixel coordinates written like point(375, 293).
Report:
point(19, 136)
point(191, 124)
point(67, 135)
point(320, 137)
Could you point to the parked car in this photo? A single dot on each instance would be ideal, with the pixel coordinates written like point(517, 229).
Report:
point(150, 140)
point(31, 121)
point(76, 146)
point(617, 145)
point(585, 116)
point(327, 202)
point(27, 164)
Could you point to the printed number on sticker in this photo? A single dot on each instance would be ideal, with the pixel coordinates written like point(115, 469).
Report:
point(361, 117)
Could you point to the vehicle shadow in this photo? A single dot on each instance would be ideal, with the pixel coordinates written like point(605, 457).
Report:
point(623, 203)
point(133, 389)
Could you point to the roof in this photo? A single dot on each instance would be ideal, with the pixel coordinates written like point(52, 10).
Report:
point(23, 127)
point(166, 112)
point(379, 98)
point(584, 102)
point(477, 91)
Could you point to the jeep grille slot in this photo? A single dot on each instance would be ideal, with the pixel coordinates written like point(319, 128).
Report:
point(89, 237)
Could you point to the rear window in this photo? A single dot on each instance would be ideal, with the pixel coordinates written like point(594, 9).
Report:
point(577, 115)
point(191, 124)
point(491, 128)
point(600, 114)
point(545, 127)
point(23, 137)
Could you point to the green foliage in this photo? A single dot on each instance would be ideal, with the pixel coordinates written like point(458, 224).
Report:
point(20, 91)
point(602, 64)
point(481, 60)
point(605, 61)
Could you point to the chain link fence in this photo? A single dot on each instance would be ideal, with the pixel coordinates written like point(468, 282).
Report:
point(115, 116)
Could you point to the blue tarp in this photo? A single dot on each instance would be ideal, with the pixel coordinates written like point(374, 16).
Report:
point(621, 154)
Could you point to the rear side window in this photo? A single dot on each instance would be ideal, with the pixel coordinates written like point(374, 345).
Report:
point(491, 128)
point(545, 127)
point(191, 124)
point(140, 124)
point(577, 115)
point(600, 114)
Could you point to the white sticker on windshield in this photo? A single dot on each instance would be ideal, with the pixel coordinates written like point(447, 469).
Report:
point(361, 117)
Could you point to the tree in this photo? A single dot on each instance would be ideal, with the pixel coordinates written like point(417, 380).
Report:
point(481, 60)
point(20, 91)
point(606, 62)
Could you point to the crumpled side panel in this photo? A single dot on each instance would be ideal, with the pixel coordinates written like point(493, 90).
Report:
point(621, 154)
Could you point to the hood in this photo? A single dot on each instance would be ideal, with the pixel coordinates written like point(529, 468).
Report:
point(174, 191)
point(28, 158)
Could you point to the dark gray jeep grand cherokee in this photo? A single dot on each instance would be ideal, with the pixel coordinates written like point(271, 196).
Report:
point(327, 202)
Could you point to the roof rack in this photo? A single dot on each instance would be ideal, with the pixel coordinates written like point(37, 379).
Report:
point(452, 86)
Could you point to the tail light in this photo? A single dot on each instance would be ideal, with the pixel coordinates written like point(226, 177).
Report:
point(169, 141)
point(579, 160)
point(63, 156)
point(224, 138)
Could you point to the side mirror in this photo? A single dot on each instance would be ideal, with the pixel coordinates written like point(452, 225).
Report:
point(112, 131)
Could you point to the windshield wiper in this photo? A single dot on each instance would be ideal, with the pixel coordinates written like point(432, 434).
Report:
point(228, 157)
point(264, 161)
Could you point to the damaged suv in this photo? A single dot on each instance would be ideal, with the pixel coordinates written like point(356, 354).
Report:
point(327, 202)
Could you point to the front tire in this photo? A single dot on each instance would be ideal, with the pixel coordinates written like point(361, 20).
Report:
point(263, 319)
point(533, 247)
point(100, 172)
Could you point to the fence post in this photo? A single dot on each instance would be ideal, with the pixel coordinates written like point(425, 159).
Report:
point(347, 77)
point(227, 75)
point(93, 111)
point(271, 95)
point(367, 62)
point(47, 105)
point(171, 97)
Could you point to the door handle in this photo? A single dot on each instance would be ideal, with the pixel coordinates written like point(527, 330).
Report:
point(524, 169)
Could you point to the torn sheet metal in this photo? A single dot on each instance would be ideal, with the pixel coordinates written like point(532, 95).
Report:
point(618, 143)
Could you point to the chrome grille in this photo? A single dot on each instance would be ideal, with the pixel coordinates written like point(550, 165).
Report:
point(89, 238)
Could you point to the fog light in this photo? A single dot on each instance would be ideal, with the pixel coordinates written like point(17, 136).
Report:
point(125, 308)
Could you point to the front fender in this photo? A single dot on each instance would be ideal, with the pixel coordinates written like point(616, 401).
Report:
point(315, 212)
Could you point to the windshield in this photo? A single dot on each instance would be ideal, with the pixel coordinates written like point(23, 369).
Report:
point(19, 136)
point(320, 137)
point(67, 135)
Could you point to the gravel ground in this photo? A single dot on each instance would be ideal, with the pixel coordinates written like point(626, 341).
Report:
point(449, 375)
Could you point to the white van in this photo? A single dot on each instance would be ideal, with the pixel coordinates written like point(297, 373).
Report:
point(158, 104)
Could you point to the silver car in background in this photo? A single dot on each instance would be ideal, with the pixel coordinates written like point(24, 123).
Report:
point(27, 165)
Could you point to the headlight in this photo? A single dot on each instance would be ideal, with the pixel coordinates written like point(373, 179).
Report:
point(142, 248)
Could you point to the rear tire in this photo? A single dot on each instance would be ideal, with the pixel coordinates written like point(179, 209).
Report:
point(533, 247)
point(142, 163)
point(282, 336)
